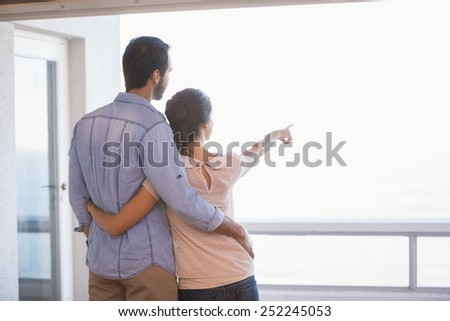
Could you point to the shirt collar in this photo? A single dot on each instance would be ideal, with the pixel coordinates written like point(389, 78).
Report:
point(135, 99)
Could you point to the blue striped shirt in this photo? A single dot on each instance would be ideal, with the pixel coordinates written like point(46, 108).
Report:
point(113, 150)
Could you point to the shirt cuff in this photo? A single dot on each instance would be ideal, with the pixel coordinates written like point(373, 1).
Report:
point(80, 227)
point(216, 221)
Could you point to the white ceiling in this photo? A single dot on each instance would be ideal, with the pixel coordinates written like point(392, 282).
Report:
point(73, 8)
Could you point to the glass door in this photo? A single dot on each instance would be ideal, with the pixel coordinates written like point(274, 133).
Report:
point(38, 177)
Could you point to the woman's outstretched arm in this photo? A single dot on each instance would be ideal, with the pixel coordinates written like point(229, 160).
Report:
point(250, 157)
point(263, 146)
point(139, 206)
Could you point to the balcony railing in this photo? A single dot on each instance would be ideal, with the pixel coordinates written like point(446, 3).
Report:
point(412, 229)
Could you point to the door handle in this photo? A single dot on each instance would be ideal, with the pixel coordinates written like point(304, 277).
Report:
point(48, 186)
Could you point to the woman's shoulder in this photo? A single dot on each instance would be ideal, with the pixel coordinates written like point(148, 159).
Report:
point(229, 160)
point(228, 164)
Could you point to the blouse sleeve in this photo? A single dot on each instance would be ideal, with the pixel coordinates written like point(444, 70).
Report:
point(150, 188)
point(249, 159)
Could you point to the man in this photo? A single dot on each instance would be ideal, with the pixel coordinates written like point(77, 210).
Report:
point(113, 150)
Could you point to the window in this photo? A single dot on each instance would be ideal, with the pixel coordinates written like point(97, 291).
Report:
point(372, 75)
point(368, 73)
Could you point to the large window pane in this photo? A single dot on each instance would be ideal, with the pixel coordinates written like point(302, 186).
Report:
point(367, 72)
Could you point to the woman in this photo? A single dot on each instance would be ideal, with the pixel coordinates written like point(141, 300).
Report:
point(209, 266)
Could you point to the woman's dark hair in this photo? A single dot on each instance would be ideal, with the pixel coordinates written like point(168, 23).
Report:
point(141, 58)
point(186, 111)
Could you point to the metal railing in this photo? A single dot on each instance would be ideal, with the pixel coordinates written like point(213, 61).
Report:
point(412, 229)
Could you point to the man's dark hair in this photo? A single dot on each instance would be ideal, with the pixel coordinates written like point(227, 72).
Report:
point(141, 58)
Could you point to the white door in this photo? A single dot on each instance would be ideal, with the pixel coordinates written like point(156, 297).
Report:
point(42, 140)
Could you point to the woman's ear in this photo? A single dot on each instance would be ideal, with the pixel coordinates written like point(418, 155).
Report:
point(202, 128)
point(207, 129)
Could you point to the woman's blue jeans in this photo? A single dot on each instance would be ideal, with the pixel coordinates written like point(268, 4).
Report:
point(245, 290)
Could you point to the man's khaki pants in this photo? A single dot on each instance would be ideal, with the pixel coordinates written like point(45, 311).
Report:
point(152, 284)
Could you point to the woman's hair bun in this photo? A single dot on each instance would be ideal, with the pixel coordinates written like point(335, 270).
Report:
point(186, 111)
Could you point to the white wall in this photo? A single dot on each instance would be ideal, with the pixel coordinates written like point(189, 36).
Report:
point(9, 282)
point(94, 80)
point(94, 51)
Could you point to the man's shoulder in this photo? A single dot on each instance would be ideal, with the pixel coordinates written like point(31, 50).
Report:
point(99, 111)
point(129, 113)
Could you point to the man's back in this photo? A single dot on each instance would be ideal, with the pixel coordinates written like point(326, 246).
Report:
point(107, 155)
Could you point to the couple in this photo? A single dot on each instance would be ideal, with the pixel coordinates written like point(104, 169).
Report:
point(123, 161)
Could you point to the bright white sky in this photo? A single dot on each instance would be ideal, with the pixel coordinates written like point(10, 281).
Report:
point(375, 74)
